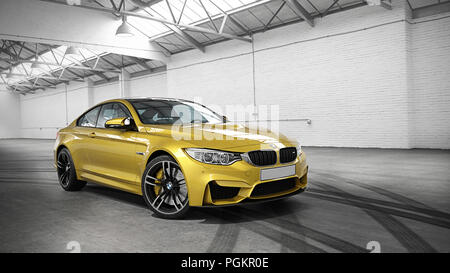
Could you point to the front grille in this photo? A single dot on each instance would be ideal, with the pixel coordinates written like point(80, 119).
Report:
point(288, 154)
point(273, 187)
point(219, 192)
point(263, 158)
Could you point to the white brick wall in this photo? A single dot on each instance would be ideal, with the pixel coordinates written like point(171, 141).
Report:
point(154, 85)
point(347, 74)
point(351, 74)
point(352, 87)
point(9, 113)
point(430, 82)
point(43, 113)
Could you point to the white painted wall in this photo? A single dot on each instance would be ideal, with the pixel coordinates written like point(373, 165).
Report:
point(10, 114)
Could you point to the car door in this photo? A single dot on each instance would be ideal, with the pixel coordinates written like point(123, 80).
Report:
point(82, 142)
point(114, 153)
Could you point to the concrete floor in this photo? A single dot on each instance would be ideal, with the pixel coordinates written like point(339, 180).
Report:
point(398, 198)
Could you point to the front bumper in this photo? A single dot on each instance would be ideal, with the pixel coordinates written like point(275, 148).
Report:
point(257, 201)
point(238, 181)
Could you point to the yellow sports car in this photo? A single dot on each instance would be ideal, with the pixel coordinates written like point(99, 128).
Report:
point(177, 154)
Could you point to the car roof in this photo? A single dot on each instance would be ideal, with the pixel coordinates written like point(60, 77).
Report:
point(153, 99)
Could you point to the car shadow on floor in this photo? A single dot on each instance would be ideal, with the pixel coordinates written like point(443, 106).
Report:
point(211, 215)
point(248, 212)
point(116, 195)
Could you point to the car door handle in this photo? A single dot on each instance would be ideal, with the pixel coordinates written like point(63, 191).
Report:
point(92, 134)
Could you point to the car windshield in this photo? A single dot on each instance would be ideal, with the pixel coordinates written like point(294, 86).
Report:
point(174, 112)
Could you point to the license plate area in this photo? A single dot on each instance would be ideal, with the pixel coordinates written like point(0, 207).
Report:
point(275, 173)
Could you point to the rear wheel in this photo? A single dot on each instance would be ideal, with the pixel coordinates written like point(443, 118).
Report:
point(164, 188)
point(66, 172)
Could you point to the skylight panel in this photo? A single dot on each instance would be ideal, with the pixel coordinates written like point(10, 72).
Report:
point(193, 12)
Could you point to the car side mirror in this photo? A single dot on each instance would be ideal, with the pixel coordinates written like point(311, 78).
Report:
point(118, 123)
point(224, 119)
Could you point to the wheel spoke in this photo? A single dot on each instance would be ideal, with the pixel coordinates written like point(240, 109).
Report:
point(152, 184)
point(175, 201)
point(175, 172)
point(152, 178)
point(60, 164)
point(163, 199)
point(158, 197)
point(181, 182)
point(67, 176)
point(165, 174)
point(177, 196)
point(63, 177)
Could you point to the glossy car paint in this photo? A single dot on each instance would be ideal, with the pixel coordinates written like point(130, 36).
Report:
point(117, 158)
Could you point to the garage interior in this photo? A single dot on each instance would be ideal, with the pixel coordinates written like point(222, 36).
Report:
point(365, 86)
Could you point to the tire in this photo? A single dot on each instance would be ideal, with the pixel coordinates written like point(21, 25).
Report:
point(164, 188)
point(67, 175)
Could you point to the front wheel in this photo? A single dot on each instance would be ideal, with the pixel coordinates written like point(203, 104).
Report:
point(164, 188)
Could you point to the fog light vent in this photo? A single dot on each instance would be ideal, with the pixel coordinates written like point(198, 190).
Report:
point(219, 192)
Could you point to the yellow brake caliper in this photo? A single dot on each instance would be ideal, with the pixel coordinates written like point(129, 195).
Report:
point(159, 175)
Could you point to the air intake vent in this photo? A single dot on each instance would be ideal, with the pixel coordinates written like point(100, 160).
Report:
point(263, 158)
point(273, 187)
point(219, 192)
point(288, 154)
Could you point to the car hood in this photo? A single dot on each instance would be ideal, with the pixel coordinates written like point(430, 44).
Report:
point(235, 137)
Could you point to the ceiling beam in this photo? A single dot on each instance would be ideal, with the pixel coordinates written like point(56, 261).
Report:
point(31, 77)
point(304, 14)
point(188, 38)
point(82, 67)
point(230, 13)
point(180, 33)
point(141, 62)
point(231, 18)
point(274, 15)
point(431, 10)
point(28, 85)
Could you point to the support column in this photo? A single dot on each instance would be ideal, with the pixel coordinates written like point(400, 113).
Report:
point(90, 88)
point(124, 81)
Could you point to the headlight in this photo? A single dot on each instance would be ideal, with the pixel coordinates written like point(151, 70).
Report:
point(213, 156)
point(299, 149)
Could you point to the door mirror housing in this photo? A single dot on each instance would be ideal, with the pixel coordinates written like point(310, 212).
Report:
point(119, 123)
point(224, 119)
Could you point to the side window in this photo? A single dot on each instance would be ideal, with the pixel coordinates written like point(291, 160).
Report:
point(111, 111)
point(90, 118)
point(122, 111)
